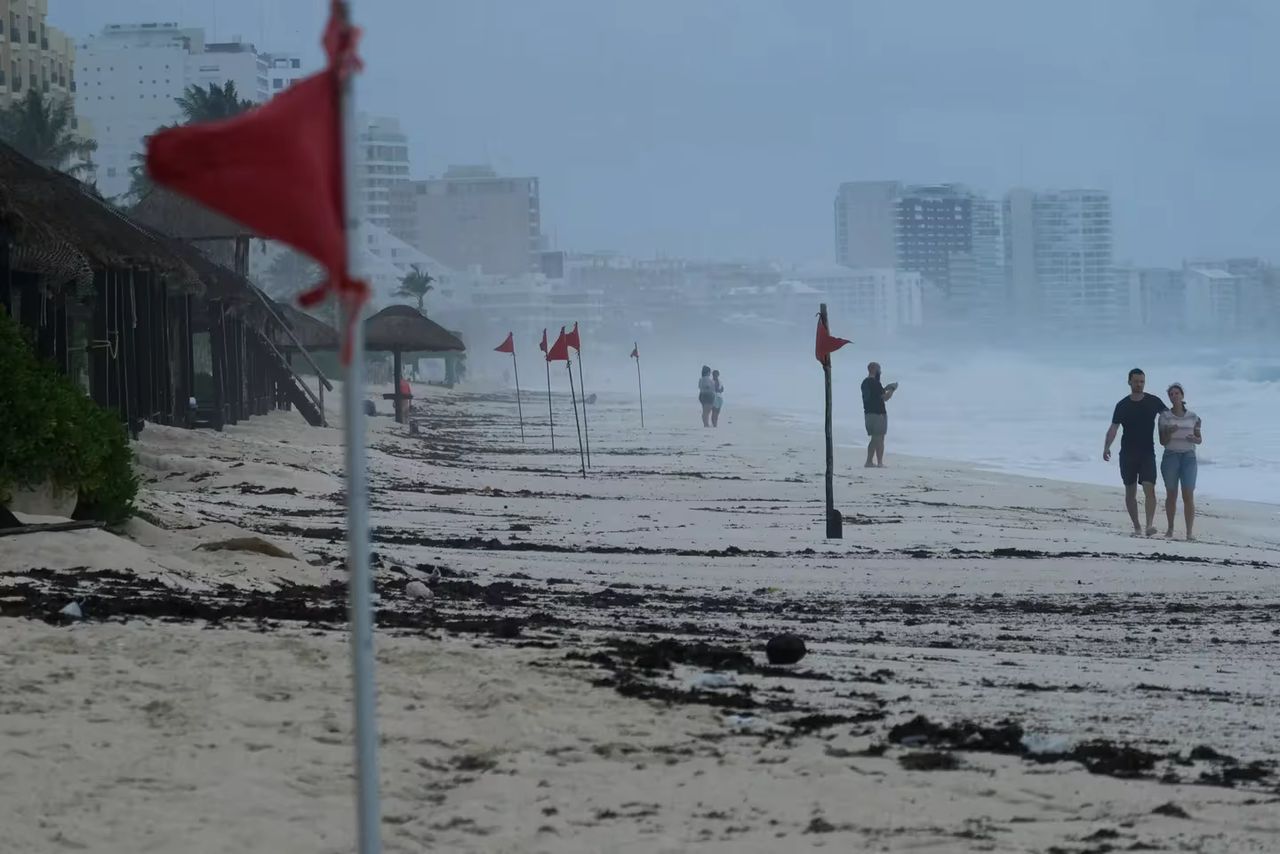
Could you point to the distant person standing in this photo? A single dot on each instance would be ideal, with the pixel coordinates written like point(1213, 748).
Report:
point(1137, 414)
point(718, 402)
point(1179, 430)
point(706, 394)
point(874, 396)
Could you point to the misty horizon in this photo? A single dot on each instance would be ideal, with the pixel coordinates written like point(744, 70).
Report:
point(723, 130)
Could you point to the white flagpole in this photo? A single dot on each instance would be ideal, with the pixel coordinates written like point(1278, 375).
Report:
point(359, 578)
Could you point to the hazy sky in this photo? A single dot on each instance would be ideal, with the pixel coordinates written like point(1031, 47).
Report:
point(721, 128)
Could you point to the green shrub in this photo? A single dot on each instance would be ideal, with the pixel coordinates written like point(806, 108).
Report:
point(49, 430)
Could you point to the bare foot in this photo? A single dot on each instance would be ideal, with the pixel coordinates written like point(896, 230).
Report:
point(1136, 533)
point(1151, 531)
point(879, 465)
point(869, 466)
point(1169, 534)
point(1190, 539)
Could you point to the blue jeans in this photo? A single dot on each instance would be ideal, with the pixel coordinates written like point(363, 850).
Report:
point(1179, 466)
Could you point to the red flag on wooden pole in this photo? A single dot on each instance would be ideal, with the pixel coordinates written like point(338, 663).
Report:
point(826, 343)
point(559, 351)
point(572, 339)
point(542, 345)
point(508, 345)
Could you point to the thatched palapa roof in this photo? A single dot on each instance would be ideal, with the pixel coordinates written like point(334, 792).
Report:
point(55, 221)
point(404, 328)
point(184, 218)
point(312, 333)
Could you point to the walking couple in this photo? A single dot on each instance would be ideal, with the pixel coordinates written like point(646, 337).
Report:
point(1179, 431)
point(711, 396)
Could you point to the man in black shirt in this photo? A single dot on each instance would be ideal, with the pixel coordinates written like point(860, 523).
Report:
point(874, 396)
point(1137, 413)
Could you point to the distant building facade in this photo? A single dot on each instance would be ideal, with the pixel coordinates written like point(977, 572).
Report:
point(33, 55)
point(1059, 259)
point(382, 164)
point(473, 218)
point(865, 224)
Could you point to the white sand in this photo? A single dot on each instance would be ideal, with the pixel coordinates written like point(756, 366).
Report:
point(159, 737)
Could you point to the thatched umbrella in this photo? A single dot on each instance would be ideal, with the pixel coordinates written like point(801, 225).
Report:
point(400, 329)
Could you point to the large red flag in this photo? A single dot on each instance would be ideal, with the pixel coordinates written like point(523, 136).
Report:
point(542, 345)
point(559, 351)
point(826, 343)
point(277, 169)
point(509, 345)
point(572, 338)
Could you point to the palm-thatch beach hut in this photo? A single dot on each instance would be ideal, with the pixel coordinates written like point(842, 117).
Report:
point(400, 329)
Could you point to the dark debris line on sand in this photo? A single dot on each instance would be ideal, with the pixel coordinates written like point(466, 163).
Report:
point(633, 666)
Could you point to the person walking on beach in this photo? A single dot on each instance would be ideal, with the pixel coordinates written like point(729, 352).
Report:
point(706, 394)
point(1136, 413)
point(717, 402)
point(1179, 430)
point(874, 397)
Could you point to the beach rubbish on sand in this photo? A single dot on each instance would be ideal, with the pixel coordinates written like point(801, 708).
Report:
point(785, 649)
point(418, 590)
point(72, 610)
point(1172, 810)
point(711, 681)
point(751, 723)
point(256, 545)
point(1039, 743)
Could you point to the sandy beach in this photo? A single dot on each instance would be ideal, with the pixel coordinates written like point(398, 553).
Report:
point(993, 663)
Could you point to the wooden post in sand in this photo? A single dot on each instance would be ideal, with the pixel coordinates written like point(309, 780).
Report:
point(573, 397)
point(551, 418)
point(835, 524)
point(635, 354)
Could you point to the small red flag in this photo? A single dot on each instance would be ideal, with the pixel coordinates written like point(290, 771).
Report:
point(572, 338)
point(543, 344)
point(277, 169)
point(635, 352)
point(559, 351)
point(509, 345)
point(826, 343)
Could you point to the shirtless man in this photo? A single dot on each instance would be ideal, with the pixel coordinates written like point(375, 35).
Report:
point(1137, 413)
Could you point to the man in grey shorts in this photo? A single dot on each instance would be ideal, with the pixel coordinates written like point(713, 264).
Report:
point(874, 396)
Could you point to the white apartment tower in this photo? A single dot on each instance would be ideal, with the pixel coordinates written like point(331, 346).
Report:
point(1058, 253)
point(131, 75)
point(382, 164)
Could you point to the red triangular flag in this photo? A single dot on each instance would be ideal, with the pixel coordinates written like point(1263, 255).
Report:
point(572, 338)
point(559, 351)
point(543, 344)
point(826, 343)
point(635, 352)
point(276, 169)
point(509, 345)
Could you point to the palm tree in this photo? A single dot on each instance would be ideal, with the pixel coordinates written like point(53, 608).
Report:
point(212, 103)
point(416, 283)
point(198, 104)
point(43, 129)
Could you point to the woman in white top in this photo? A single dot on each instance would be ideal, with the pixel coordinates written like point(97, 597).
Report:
point(1179, 433)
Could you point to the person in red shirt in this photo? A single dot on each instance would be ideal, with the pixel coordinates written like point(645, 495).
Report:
point(402, 410)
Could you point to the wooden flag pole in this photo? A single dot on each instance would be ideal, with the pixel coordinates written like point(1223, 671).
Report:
point(639, 384)
point(834, 522)
point(569, 367)
point(582, 384)
point(551, 418)
point(519, 406)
